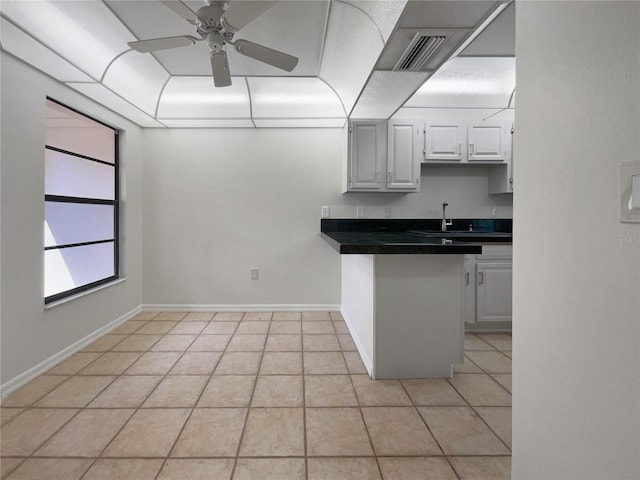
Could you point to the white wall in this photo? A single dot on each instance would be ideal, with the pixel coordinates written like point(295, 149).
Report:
point(218, 202)
point(31, 334)
point(576, 324)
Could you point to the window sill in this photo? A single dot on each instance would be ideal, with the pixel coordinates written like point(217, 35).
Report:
point(84, 294)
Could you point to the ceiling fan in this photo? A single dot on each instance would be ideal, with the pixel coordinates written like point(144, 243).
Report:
point(217, 23)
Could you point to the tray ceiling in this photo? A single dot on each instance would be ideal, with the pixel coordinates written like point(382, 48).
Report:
point(84, 45)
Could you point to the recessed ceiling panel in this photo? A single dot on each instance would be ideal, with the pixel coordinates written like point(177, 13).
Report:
point(384, 14)
point(210, 123)
point(23, 46)
point(498, 39)
point(468, 82)
point(352, 48)
point(386, 92)
point(197, 98)
point(300, 122)
point(137, 77)
point(293, 98)
point(87, 34)
point(106, 97)
point(294, 27)
point(445, 13)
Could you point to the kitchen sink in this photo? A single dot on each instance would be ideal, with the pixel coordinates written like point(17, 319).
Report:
point(463, 235)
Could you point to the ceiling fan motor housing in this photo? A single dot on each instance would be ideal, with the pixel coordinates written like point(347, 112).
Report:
point(215, 40)
point(209, 18)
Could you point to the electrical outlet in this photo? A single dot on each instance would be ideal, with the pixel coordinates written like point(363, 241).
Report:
point(255, 273)
point(387, 212)
point(360, 211)
point(325, 212)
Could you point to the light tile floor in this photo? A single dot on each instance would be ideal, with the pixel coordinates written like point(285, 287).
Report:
point(260, 395)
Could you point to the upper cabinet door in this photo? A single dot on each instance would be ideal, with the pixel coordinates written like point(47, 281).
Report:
point(488, 142)
point(445, 142)
point(403, 160)
point(366, 151)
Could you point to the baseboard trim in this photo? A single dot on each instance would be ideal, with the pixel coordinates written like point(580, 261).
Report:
point(25, 377)
point(368, 362)
point(156, 307)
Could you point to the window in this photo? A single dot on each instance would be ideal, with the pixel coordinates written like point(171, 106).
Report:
point(80, 203)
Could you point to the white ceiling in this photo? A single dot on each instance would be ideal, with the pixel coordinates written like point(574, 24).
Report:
point(339, 44)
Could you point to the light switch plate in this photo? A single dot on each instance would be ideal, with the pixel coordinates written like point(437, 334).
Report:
point(630, 192)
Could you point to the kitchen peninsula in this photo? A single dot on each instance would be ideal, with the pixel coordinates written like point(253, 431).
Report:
point(402, 289)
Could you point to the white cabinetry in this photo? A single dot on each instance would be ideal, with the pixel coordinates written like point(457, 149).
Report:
point(488, 285)
point(445, 142)
point(383, 156)
point(501, 177)
point(488, 142)
point(469, 307)
point(367, 151)
point(493, 293)
point(403, 161)
point(467, 143)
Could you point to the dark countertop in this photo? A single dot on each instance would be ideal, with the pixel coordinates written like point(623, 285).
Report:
point(413, 236)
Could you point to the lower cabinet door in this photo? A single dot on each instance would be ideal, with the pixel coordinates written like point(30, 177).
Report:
point(494, 291)
point(469, 306)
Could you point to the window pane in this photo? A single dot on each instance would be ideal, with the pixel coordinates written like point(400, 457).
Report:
point(67, 223)
point(76, 133)
point(76, 177)
point(74, 267)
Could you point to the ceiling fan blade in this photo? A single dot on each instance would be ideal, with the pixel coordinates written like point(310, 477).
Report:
point(268, 55)
point(220, 69)
point(241, 12)
point(182, 10)
point(155, 44)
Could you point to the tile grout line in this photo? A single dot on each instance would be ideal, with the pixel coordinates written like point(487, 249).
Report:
point(77, 374)
point(424, 420)
point(304, 403)
point(366, 427)
point(253, 391)
point(173, 446)
point(139, 407)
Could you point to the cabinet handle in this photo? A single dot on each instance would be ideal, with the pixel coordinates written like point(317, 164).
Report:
point(480, 278)
point(459, 149)
point(466, 278)
point(388, 178)
point(472, 148)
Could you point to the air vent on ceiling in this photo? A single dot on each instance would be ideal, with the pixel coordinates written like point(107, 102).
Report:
point(419, 51)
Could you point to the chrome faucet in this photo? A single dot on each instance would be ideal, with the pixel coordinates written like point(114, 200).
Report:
point(445, 223)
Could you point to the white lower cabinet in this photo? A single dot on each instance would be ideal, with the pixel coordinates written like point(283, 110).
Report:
point(469, 306)
point(488, 285)
point(494, 292)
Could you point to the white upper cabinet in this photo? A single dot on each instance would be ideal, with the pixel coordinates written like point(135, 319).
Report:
point(367, 149)
point(488, 142)
point(403, 160)
point(445, 142)
point(467, 143)
point(384, 157)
